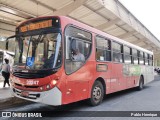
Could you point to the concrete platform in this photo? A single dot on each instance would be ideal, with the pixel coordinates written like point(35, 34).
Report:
point(6, 97)
point(5, 93)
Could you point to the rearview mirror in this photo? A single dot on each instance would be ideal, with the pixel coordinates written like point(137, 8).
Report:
point(8, 40)
point(6, 44)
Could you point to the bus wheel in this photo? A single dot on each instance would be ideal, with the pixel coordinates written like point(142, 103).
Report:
point(141, 83)
point(97, 94)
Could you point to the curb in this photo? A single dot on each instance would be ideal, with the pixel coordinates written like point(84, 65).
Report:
point(11, 102)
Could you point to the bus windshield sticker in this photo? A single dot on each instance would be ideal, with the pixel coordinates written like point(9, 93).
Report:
point(101, 58)
point(30, 61)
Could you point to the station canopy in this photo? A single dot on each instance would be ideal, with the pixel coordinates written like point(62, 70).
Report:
point(109, 16)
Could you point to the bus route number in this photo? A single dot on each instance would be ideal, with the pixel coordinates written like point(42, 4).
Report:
point(32, 82)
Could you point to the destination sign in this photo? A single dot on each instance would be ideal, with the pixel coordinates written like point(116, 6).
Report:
point(35, 26)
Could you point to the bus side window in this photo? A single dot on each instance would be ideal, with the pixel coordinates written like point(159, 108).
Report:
point(135, 56)
point(141, 59)
point(78, 48)
point(103, 49)
point(150, 60)
point(127, 55)
point(117, 52)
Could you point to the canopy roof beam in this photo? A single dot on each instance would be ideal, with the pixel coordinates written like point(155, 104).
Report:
point(108, 24)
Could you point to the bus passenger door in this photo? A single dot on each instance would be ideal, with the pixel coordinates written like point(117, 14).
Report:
point(70, 90)
point(77, 86)
point(77, 69)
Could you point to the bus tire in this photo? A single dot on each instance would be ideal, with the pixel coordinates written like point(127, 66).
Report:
point(141, 83)
point(97, 94)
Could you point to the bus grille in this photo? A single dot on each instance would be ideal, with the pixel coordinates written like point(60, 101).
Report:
point(30, 96)
point(26, 86)
point(29, 75)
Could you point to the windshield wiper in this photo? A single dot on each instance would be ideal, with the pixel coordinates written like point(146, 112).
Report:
point(36, 42)
point(28, 50)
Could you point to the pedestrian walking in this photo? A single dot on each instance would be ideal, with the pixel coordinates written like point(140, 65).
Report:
point(6, 72)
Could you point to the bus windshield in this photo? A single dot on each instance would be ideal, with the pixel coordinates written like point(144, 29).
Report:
point(42, 51)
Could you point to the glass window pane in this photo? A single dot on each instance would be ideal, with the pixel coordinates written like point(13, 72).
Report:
point(135, 60)
point(52, 50)
point(127, 50)
point(141, 61)
point(151, 57)
point(146, 55)
point(127, 59)
point(141, 54)
point(78, 33)
point(103, 55)
point(134, 52)
point(117, 57)
point(116, 47)
point(146, 61)
point(41, 51)
point(78, 48)
point(75, 57)
point(102, 43)
point(150, 62)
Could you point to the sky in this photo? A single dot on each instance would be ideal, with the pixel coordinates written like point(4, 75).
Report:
point(147, 12)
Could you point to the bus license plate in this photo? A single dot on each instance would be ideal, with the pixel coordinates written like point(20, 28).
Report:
point(24, 93)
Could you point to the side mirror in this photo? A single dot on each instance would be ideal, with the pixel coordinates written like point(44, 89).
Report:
point(8, 40)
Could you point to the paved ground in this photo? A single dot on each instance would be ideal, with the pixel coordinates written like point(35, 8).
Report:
point(131, 100)
point(1, 85)
point(5, 93)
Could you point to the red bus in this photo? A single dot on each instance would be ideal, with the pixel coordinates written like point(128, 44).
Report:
point(59, 60)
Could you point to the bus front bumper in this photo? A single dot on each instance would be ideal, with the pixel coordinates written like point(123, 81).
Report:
point(51, 97)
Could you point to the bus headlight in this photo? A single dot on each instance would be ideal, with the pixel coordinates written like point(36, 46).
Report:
point(48, 86)
point(41, 88)
point(53, 82)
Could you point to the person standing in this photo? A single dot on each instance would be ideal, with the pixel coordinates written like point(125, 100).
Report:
point(6, 72)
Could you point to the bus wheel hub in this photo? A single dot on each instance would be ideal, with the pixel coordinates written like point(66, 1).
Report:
point(97, 93)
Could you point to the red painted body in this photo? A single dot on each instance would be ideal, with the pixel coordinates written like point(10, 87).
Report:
point(77, 86)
